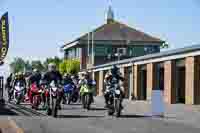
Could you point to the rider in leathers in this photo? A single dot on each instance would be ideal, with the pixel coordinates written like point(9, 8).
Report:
point(108, 79)
point(19, 78)
point(66, 80)
point(85, 79)
point(34, 78)
point(53, 75)
point(9, 85)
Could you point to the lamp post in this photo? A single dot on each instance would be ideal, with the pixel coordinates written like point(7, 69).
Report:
point(92, 48)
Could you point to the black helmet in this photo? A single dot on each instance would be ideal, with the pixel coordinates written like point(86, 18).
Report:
point(114, 69)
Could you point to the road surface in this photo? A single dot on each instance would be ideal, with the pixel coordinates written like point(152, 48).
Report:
point(74, 119)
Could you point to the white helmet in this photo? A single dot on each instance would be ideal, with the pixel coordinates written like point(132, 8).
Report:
point(35, 70)
point(52, 67)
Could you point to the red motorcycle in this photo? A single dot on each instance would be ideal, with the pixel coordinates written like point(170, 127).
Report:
point(36, 96)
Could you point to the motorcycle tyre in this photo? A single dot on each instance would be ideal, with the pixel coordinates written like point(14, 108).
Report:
point(83, 101)
point(49, 112)
point(54, 107)
point(118, 108)
point(88, 101)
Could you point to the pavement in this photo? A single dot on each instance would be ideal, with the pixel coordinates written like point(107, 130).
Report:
point(136, 118)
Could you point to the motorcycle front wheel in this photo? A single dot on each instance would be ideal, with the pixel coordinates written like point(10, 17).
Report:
point(118, 108)
point(54, 107)
point(83, 101)
point(18, 99)
point(69, 98)
point(88, 101)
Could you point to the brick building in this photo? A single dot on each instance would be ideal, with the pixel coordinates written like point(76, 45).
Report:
point(110, 42)
point(176, 72)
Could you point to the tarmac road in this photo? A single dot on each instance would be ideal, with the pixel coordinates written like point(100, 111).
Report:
point(73, 119)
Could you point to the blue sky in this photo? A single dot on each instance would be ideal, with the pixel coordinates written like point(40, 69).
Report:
point(39, 27)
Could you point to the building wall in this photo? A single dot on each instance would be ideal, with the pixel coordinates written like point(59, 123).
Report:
point(189, 77)
point(105, 53)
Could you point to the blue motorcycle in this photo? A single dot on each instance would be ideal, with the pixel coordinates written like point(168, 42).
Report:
point(70, 94)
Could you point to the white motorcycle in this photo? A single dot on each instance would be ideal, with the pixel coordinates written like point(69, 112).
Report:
point(53, 100)
point(19, 92)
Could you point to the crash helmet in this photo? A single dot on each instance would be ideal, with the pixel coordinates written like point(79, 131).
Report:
point(16, 75)
point(52, 67)
point(114, 69)
point(35, 70)
point(65, 75)
point(20, 74)
point(73, 77)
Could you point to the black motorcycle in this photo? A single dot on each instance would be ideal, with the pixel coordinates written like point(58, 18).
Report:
point(114, 99)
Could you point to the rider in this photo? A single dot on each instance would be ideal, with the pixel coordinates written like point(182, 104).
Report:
point(19, 77)
point(66, 79)
point(53, 75)
point(9, 84)
point(114, 73)
point(34, 78)
point(86, 80)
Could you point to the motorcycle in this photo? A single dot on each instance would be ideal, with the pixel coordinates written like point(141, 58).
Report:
point(115, 99)
point(37, 96)
point(86, 93)
point(10, 94)
point(19, 92)
point(70, 93)
point(53, 99)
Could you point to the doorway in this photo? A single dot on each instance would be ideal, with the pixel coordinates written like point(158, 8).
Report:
point(180, 84)
point(161, 79)
point(143, 89)
point(130, 82)
point(97, 83)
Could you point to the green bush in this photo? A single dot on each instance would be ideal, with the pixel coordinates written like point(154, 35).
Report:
point(70, 66)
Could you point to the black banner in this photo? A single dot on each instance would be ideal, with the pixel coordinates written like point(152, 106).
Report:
point(4, 36)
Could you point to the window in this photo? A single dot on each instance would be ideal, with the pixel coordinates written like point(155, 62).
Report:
point(151, 49)
point(122, 51)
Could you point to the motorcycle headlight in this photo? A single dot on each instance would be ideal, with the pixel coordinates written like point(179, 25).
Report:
point(117, 92)
point(54, 88)
point(116, 85)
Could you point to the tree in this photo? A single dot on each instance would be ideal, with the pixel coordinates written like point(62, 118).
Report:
point(55, 60)
point(28, 66)
point(37, 65)
point(17, 65)
point(70, 66)
point(165, 45)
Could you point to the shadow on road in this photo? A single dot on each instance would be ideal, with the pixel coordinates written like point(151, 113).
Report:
point(97, 109)
point(135, 116)
point(6, 111)
point(78, 116)
point(73, 104)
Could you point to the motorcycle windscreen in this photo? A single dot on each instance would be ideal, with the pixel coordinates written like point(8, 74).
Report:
point(68, 88)
point(54, 89)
